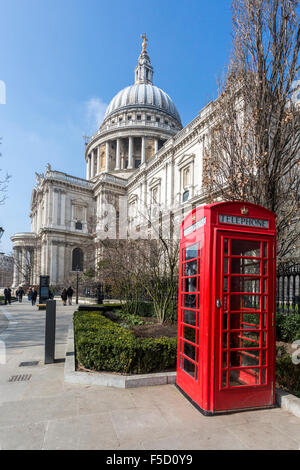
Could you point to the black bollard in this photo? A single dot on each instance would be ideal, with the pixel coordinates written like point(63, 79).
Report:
point(50, 331)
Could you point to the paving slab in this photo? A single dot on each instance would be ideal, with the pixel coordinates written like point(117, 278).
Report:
point(217, 439)
point(48, 413)
point(87, 432)
point(22, 436)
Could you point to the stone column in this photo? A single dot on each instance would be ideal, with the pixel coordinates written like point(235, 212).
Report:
point(87, 168)
point(192, 186)
point(93, 164)
point(145, 193)
point(143, 152)
point(118, 161)
point(60, 267)
point(107, 156)
point(53, 264)
point(24, 266)
point(19, 265)
point(63, 208)
point(15, 275)
point(130, 153)
point(166, 184)
point(49, 206)
point(45, 208)
point(156, 146)
point(98, 160)
point(55, 207)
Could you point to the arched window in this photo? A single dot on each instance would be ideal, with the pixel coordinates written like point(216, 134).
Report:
point(185, 196)
point(77, 259)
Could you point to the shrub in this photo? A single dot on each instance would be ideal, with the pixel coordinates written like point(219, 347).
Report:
point(287, 327)
point(128, 320)
point(287, 373)
point(101, 344)
point(145, 309)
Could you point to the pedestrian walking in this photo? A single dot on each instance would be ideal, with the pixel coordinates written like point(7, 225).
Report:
point(20, 292)
point(33, 296)
point(64, 296)
point(7, 295)
point(70, 295)
point(29, 292)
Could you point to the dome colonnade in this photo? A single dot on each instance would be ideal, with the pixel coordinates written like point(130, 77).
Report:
point(137, 122)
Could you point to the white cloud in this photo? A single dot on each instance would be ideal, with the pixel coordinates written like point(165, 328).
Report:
point(95, 110)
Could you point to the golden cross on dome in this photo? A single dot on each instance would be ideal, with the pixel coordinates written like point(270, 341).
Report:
point(144, 45)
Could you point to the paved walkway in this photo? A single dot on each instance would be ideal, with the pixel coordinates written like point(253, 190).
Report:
point(46, 413)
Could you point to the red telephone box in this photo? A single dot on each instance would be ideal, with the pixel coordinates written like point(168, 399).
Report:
point(226, 314)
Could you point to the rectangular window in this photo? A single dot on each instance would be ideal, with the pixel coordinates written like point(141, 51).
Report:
point(189, 317)
point(190, 284)
point(238, 378)
point(189, 334)
point(155, 195)
point(186, 177)
point(190, 301)
point(190, 268)
point(245, 248)
point(191, 252)
point(189, 350)
point(189, 367)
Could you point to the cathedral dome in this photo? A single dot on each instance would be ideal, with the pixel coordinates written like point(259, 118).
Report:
point(143, 95)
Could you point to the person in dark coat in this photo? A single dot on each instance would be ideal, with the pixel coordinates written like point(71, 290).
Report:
point(29, 293)
point(70, 295)
point(64, 296)
point(7, 295)
point(34, 294)
point(20, 292)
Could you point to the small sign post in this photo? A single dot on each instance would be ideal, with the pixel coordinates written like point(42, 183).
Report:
point(50, 331)
point(44, 289)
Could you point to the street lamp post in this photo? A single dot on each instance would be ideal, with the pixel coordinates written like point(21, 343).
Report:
point(77, 281)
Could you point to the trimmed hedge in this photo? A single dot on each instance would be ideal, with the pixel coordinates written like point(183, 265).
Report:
point(103, 345)
point(287, 373)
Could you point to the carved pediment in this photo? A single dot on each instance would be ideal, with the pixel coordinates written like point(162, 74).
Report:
point(154, 182)
point(79, 202)
point(185, 160)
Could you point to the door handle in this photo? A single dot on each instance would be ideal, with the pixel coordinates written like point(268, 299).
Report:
point(218, 303)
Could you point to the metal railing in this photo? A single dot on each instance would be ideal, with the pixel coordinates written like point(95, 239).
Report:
point(288, 289)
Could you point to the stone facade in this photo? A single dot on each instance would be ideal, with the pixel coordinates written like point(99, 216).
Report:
point(140, 157)
point(6, 270)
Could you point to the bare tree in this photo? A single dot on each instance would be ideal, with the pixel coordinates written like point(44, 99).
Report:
point(143, 265)
point(139, 268)
point(3, 183)
point(253, 149)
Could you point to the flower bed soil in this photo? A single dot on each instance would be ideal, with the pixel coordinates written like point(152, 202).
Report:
point(155, 330)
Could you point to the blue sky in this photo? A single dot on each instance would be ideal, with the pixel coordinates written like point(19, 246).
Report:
point(63, 61)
